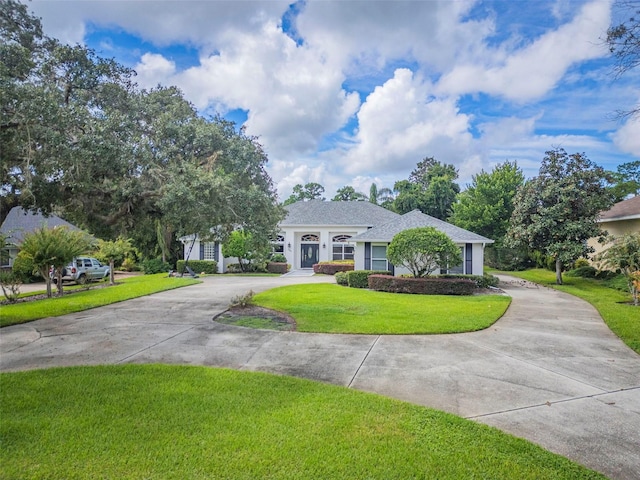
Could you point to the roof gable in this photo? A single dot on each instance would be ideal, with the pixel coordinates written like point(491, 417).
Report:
point(20, 222)
point(626, 209)
point(416, 219)
point(319, 212)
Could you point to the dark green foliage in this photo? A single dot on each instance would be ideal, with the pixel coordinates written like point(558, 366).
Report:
point(249, 249)
point(359, 278)
point(623, 255)
point(342, 278)
point(481, 281)
point(348, 194)
point(583, 272)
point(329, 268)
point(487, 204)
point(613, 280)
point(198, 266)
point(278, 258)
point(10, 284)
point(543, 261)
point(25, 269)
point(581, 262)
point(505, 258)
point(80, 137)
point(247, 268)
point(155, 265)
point(431, 188)
point(309, 191)
point(277, 267)
point(422, 286)
point(423, 250)
point(557, 211)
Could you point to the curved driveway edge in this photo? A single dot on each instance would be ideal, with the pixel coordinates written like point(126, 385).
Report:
point(549, 370)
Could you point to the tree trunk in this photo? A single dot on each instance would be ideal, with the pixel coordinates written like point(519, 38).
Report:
point(112, 278)
point(47, 280)
point(558, 272)
point(58, 273)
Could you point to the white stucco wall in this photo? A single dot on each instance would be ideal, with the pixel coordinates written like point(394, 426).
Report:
point(477, 260)
point(293, 241)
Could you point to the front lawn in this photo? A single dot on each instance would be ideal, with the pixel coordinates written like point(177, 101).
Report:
point(622, 318)
point(126, 289)
point(154, 421)
point(329, 308)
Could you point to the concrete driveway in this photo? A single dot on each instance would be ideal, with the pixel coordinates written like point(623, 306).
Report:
point(549, 371)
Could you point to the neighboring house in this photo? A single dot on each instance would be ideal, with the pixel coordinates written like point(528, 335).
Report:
point(20, 222)
point(623, 217)
point(316, 231)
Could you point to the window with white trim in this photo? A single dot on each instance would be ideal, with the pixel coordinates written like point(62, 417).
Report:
point(379, 257)
point(458, 269)
point(342, 250)
point(209, 251)
point(310, 238)
point(278, 245)
point(5, 258)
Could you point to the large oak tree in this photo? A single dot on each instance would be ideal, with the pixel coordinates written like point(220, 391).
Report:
point(557, 211)
point(81, 139)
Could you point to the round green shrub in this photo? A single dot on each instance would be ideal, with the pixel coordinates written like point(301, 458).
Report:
point(342, 279)
point(23, 268)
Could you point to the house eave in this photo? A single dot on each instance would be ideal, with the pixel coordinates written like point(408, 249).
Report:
point(619, 219)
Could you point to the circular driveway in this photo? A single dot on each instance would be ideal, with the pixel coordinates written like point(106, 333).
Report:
point(549, 370)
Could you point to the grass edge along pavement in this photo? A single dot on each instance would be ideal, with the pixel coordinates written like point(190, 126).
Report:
point(331, 308)
point(126, 289)
point(161, 421)
point(613, 305)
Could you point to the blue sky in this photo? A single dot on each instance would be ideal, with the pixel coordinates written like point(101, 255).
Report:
point(356, 92)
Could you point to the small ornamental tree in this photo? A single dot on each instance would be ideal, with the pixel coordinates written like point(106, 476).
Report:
point(112, 251)
point(624, 255)
point(53, 248)
point(245, 247)
point(423, 250)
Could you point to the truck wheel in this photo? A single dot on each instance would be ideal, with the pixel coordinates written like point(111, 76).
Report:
point(82, 279)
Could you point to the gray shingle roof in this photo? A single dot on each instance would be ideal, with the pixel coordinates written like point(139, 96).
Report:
point(415, 219)
point(318, 212)
point(20, 221)
point(626, 209)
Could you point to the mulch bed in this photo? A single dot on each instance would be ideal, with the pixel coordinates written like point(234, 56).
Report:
point(54, 291)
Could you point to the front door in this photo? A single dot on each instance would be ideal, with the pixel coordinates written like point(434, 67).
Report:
point(308, 255)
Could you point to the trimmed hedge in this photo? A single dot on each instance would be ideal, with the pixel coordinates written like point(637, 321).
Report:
point(422, 286)
point(482, 281)
point(277, 267)
point(359, 278)
point(199, 266)
point(342, 279)
point(331, 268)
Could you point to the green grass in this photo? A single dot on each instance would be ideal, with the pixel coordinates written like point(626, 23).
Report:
point(168, 422)
point(622, 318)
point(330, 308)
point(132, 287)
